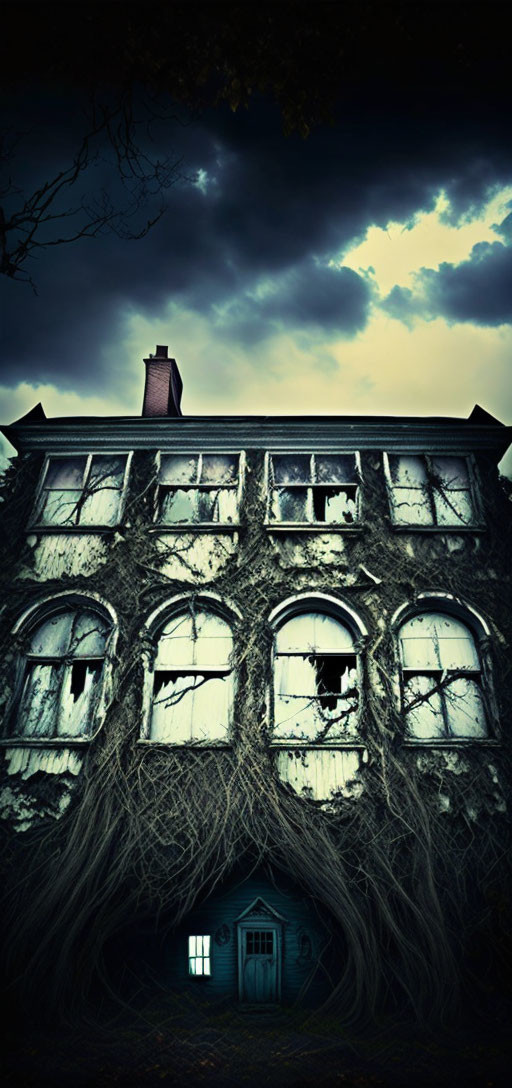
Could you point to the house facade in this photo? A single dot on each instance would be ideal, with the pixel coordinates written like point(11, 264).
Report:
point(272, 639)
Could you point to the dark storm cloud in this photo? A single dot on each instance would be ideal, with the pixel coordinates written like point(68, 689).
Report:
point(264, 208)
point(477, 290)
point(335, 300)
point(505, 227)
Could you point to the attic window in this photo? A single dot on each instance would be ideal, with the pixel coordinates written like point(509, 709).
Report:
point(81, 491)
point(314, 488)
point(62, 671)
point(441, 679)
point(316, 685)
point(193, 680)
point(198, 489)
point(427, 490)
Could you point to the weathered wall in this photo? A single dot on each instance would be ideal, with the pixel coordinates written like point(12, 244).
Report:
point(424, 798)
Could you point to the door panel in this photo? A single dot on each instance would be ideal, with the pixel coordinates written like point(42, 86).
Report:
point(259, 965)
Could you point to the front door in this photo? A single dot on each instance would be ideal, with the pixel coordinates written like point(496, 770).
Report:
point(259, 949)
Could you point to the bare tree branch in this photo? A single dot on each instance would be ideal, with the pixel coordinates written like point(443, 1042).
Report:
point(30, 224)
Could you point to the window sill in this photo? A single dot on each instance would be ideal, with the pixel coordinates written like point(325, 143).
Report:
point(308, 527)
point(42, 742)
point(196, 527)
point(45, 529)
point(311, 746)
point(437, 528)
point(453, 742)
point(187, 746)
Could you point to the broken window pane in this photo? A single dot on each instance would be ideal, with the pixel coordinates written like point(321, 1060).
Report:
point(78, 697)
point(177, 506)
point(340, 506)
point(190, 704)
point(318, 502)
point(213, 505)
point(190, 707)
point(316, 698)
point(228, 506)
point(315, 680)
point(292, 468)
point(60, 690)
point(337, 468)
point(208, 503)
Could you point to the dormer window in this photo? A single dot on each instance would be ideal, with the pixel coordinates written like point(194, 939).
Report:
point(198, 489)
point(430, 491)
point(81, 491)
point(314, 489)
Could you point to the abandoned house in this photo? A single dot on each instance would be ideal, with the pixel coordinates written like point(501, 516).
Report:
point(256, 700)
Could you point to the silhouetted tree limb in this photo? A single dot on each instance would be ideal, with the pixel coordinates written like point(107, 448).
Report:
point(57, 212)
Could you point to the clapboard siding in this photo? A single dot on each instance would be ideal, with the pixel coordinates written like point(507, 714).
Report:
point(217, 917)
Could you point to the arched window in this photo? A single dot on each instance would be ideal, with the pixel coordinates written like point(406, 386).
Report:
point(316, 686)
point(60, 676)
point(192, 697)
point(441, 678)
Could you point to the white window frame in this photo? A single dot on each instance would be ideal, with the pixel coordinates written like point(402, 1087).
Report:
point(151, 631)
point(312, 525)
point(477, 522)
point(27, 623)
point(59, 455)
point(481, 634)
point(304, 604)
point(199, 953)
point(208, 526)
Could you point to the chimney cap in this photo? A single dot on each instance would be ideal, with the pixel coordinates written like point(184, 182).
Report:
point(161, 351)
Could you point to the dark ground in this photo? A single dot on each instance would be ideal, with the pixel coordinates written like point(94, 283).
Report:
point(193, 1043)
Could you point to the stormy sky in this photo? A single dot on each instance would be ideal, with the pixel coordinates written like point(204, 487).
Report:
point(364, 269)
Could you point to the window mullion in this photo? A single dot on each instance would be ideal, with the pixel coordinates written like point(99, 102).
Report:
point(310, 506)
point(87, 471)
point(430, 489)
point(65, 684)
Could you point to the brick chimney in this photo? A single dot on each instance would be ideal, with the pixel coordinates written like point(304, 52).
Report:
point(162, 392)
